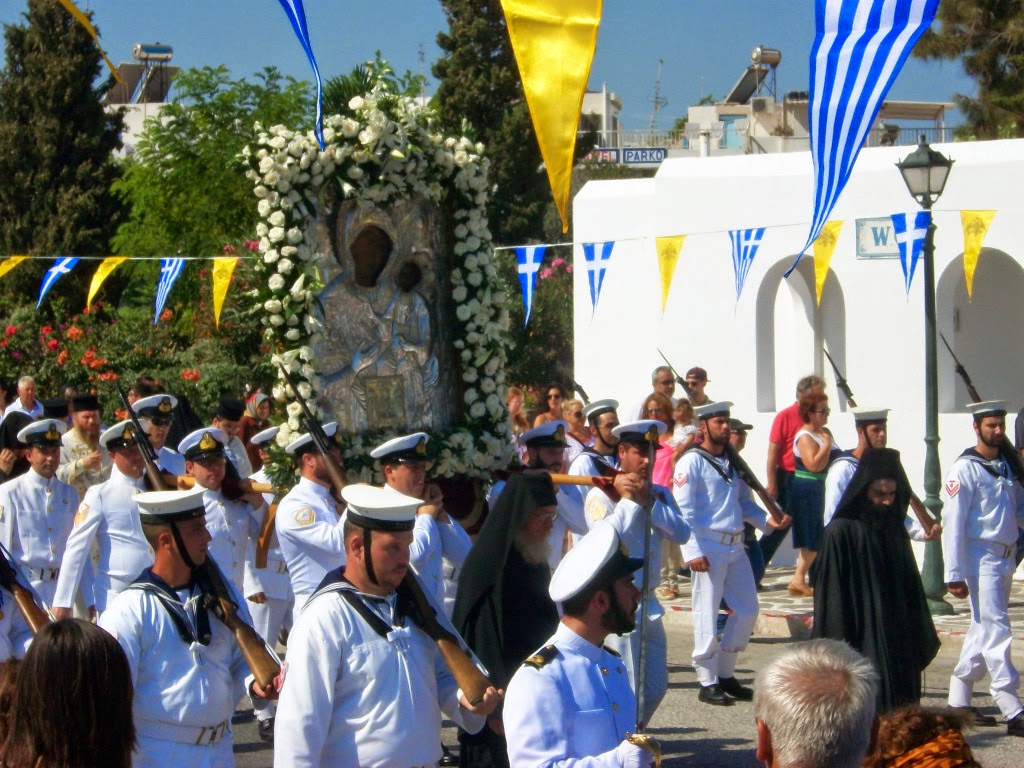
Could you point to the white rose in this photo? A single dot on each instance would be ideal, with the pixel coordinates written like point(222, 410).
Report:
point(355, 173)
point(477, 410)
point(294, 235)
point(275, 283)
point(273, 306)
point(276, 218)
point(293, 409)
point(260, 191)
point(356, 103)
point(271, 178)
point(292, 334)
point(262, 229)
point(263, 207)
point(470, 396)
point(276, 320)
point(266, 164)
point(276, 234)
point(270, 256)
point(284, 266)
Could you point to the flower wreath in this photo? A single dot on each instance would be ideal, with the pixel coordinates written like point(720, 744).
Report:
point(389, 147)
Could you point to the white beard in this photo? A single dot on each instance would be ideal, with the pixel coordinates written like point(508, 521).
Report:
point(533, 552)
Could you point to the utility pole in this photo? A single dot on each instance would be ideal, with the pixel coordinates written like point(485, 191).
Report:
point(657, 100)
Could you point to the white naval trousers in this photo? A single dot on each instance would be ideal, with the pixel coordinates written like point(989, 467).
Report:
point(988, 573)
point(729, 576)
point(628, 647)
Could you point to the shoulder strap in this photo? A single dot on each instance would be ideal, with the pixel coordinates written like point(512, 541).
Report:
point(349, 594)
point(727, 476)
point(542, 657)
point(972, 455)
point(169, 600)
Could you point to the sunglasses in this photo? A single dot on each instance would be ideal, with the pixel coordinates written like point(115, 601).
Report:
point(554, 396)
point(158, 422)
point(823, 411)
point(576, 414)
point(666, 382)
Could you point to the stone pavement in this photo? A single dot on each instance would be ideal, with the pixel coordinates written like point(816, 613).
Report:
point(785, 616)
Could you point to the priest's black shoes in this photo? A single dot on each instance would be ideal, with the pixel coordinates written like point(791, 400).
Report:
point(731, 687)
point(1015, 725)
point(976, 717)
point(712, 694)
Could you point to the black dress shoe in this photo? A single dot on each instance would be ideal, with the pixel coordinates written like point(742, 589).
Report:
point(976, 716)
point(712, 694)
point(266, 729)
point(1015, 726)
point(447, 759)
point(731, 687)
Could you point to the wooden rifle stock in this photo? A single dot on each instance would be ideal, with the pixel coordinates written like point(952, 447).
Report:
point(605, 482)
point(748, 476)
point(35, 616)
point(266, 532)
point(245, 485)
point(471, 680)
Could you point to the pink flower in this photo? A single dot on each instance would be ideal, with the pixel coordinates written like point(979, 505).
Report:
point(558, 262)
point(229, 249)
point(252, 245)
point(568, 268)
point(15, 354)
point(546, 273)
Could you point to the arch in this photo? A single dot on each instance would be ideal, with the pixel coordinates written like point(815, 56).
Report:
point(982, 331)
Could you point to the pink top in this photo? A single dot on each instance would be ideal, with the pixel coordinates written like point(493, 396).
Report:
point(787, 423)
point(663, 464)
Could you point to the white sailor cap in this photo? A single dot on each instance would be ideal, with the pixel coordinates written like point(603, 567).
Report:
point(379, 509)
point(641, 432)
point(870, 414)
point(598, 558)
point(711, 409)
point(406, 448)
point(598, 407)
point(549, 435)
point(203, 443)
point(44, 433)
point(265, 436)
point(157, 507)
point(983, 408)
point(304, 442)
point(155, 406)
point(120, 435)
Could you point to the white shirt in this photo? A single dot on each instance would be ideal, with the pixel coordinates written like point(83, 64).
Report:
point(586, 465)
point(236, 453)
point(437, 548)
point(840, 473)
point(577, 705)
point(310, 531)
point(16, 407)
point(231, 524)
point(274, 580)
point(170, 461)
point(72, 469)
point(107, 518)
point(36, 516)
point(354, 698)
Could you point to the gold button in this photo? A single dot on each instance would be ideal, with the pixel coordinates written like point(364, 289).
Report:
point(604, 670)
point(615, 706)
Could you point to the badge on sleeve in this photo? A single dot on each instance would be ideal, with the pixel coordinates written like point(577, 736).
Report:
point(305, 516)
point(679, 481)
point(952, 487)
point(81, 514)
point(596, 509)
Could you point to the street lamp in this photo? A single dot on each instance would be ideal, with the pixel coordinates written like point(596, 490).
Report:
point(925, 172)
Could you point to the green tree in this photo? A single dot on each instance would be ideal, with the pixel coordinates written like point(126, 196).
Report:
point(56, 145)
point(987, 36)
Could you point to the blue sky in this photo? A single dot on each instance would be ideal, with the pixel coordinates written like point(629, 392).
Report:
point(705, 44)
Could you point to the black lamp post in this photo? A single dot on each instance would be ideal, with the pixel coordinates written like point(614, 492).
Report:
point(925, 172)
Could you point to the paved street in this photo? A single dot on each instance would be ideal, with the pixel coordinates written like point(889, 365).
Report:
point(694, 734)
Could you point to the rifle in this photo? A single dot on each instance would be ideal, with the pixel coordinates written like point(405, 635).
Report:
point(263, 662)
point(245, 484)
point(747, 475)
point(153, 473)
point(840, 380)
point(645, 596)
point(320, 439)
point(1012, 456)
point(11, 579)
point(679, 379)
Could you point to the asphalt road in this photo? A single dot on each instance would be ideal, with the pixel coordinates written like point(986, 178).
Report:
point(694, 734)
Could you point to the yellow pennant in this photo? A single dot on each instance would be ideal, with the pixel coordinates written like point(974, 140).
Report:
point(975, 225)
point(554, 44)
point(82, 19)
point(107, 266)
point(10, 263)
point(223, 266)
point(823, 248)
point(668, 256)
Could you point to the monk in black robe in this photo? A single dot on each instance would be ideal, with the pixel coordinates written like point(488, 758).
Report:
point(502, 608)
point(867, 589)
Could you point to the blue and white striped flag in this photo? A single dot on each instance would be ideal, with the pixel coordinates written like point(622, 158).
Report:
point(910, 241)
point(530, 257)
point(745, 243)
point(54, 273)
point(170, 269)
point(597, 264)
point(859, 49)
point(297, 16)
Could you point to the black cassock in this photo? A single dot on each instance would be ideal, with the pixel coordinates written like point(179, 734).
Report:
point(867, 589)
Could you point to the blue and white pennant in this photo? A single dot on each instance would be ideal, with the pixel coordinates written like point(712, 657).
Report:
point(910, 240)
point(745, 243)
point(297, 16)
point(55, 273)
point(170, 270)
point(597, 265)
point(530, 257)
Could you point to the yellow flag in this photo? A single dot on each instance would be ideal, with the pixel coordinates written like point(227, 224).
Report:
point(82, 19)
point(10, 263)
point(823, 248)
point(554, 44)
point(668, 257)
point(107, 266)
point(223, 266)
point(976, 225)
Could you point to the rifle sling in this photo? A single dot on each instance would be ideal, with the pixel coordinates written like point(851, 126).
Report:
point(710, 459)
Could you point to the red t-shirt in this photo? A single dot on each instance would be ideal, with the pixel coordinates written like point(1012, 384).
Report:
point(787, 423)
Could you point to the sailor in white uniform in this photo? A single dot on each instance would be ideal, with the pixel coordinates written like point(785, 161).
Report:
point(365, 685)
point(187, 669)
point(37, 511)
point(155, 414)
point(571, 703)
point(627, 517)
point(602, 419)
point(872, 431)
point(982, 510)
point(107, 520)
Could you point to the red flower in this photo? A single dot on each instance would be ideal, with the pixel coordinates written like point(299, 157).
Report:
point(252, 245)
point(75, 333)
point(46, 330)
point(53, 344)
point(190, 374)
point(166, 315)
point(62, 357)
point(107, 376)
point(11, 330)
point(229, 250)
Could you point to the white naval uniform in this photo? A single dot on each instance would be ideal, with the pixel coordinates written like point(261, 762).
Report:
point(586, 465)
point(236, 454)
point(840, 473)
point(437, 552)
point(231, 525)
point(108, 518)
point(716, 510)
point(170, 461)
point(311, 535)
point(981, 514)
point(72, 469)
point(354, 698)
point(578, 704)
point(185, 694)
point(627, 517)
point(15, 636)
point(569, 517)
point(36, 516)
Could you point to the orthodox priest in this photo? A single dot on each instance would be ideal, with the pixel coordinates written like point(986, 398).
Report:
point(867, 589)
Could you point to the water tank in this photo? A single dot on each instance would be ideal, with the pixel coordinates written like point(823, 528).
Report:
point(769, 56)
point(152, 52)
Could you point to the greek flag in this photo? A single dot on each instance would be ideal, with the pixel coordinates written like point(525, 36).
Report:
point(859, 49)
point(54, 273)
point(745, 243)
point(910, 240)
point(170, 269)
point(297, 16)
point(597, 264)
point(530, 257)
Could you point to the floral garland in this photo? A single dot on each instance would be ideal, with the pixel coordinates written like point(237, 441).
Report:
point(387, 148)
